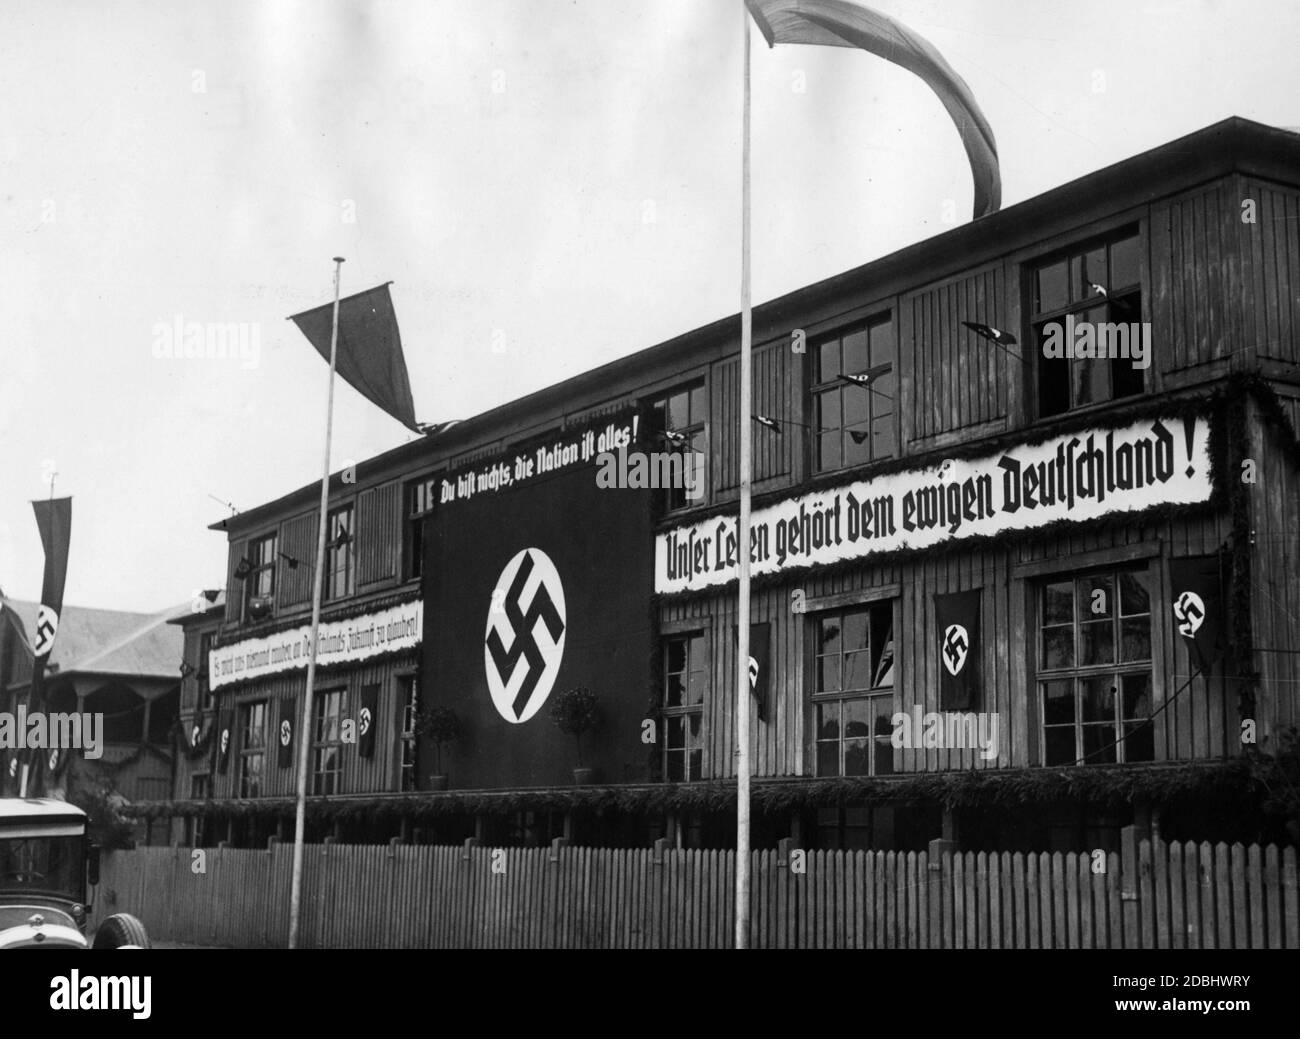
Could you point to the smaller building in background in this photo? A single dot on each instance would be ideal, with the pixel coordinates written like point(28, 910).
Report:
point(122, 665)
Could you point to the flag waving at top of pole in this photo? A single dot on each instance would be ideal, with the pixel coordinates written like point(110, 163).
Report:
point(845, 23)
point(369, 349)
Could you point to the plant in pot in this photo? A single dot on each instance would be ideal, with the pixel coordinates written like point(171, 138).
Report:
point(575, 712)
point(439, 725)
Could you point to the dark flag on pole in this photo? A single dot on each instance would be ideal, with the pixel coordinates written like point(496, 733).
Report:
point(846, 23)
point(957, 618)
point(54, 521)
point(369, 349)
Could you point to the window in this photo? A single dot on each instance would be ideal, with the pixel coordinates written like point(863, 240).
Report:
point(260, 582)
point(413, 542)
point(854, 424)
point(410, 690)
point(1094, 668)
point(327, 743)
point(1101, 283)
point(853, 698)
point(338, 554)
point(252, 749)
point(206, 701)
point(200, 790)
point(684, 413)
point(686, 674)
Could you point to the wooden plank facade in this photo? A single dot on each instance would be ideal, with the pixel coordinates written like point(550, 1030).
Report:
point(1219, 284)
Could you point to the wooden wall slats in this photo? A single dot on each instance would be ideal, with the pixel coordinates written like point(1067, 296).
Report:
point(297, 539)
point(777, 374)
point(379, 534)
point(955, 379)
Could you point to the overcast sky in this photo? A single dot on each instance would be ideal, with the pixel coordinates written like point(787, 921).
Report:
point(559, 180)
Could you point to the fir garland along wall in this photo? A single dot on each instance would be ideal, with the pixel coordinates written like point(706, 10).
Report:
point(1240, 779)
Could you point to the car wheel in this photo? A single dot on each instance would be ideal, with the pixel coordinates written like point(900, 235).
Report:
point(119, 930)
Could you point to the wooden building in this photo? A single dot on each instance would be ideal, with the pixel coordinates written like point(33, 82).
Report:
point(118, 664)
point(1093, 559)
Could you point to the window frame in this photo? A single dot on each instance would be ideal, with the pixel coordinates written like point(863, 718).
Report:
point(321, 746)
point(249, 750)
point(414, 525)
point(205, 699)
point(820, 387)
point(263, 566)
point(1071, 253)
point(697, 427)
point(818, 698)
point(334, 551)
point(1079, 674)
point(685, 711)
point(408, 686)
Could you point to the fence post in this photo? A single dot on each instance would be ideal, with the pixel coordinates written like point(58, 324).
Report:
point(939, 905)
point(1128, 892)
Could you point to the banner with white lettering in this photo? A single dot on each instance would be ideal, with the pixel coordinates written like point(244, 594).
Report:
point(580, 444)
point(343, 641)
point(1074, 477)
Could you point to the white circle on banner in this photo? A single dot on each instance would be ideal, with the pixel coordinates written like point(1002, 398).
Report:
point(524, 642)
point(956, 648)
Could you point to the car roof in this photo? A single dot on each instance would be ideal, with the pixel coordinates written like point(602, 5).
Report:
point(37, 808)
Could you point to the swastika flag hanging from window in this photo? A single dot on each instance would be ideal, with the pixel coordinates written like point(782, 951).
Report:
point(760, 661)
point(366, 719)
point(284, 732)
point(370, 354)
point(846, 23)
point(957, 619)
point(1198, 606)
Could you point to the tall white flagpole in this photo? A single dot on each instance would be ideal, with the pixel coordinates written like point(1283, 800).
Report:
point(742, 536)
point(304, 722)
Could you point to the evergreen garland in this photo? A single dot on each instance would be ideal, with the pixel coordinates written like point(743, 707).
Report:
point(1103, 785)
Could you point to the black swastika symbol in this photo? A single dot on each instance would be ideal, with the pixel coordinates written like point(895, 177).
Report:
point(524, 645)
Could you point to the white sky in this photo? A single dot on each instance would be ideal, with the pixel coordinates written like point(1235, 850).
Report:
point(587, 210)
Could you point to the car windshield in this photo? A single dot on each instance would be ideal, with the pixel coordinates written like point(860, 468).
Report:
point(49, 865)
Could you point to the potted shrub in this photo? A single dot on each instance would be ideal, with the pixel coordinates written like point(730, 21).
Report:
point(574, 712)
point(440, 725)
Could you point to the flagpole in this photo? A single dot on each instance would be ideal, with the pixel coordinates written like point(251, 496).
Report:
point(304, 724)
point(742, 535)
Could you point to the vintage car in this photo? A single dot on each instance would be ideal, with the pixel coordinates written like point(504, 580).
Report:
point(46, 866)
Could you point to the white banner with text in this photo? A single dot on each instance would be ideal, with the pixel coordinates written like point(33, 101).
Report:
point(343, 641)
point(1075, 477)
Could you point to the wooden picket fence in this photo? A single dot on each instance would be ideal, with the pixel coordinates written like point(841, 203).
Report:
point(1150, 895)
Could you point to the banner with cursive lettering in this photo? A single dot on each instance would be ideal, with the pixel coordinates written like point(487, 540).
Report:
point(344, 641)
point(1075, 477)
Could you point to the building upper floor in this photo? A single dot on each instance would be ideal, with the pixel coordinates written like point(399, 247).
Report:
point(1184, 262)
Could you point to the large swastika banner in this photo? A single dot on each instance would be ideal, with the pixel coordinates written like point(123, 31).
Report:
point(532, 591)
